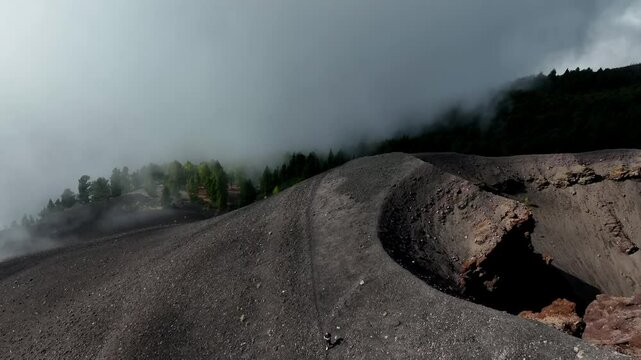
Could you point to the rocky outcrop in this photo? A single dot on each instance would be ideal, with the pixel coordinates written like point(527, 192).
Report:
point(541, 183)
point(578, 174)
point(583, 175)
point(615, 321)
point(614, 226)
point(561, 315)
point(623, 172)
point(479, 271)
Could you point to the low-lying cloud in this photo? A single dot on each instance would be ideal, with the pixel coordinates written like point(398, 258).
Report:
point(89, 85)
point(18, 241)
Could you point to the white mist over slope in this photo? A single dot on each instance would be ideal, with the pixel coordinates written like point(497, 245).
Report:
point(89, 85)
point(18, 241)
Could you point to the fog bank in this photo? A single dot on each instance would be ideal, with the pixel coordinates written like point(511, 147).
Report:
point(89, 85)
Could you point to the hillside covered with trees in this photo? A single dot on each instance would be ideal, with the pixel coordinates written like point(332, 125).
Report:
point(206, 184)
point(580, 110)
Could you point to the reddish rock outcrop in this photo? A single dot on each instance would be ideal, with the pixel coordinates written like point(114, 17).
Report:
point(561, 314)
point(615, 321)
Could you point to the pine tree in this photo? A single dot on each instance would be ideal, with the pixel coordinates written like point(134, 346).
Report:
point(247, 192)
point(100, 190)
point(51, 207)
point(218, 186)
point(116, 182)
point(176, 178)
point(192, 189)
point(266, 183)
point(67, 199)
point(204, 174)
point(84, 189)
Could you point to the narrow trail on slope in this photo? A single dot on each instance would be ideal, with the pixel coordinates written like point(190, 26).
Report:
point(311, 241)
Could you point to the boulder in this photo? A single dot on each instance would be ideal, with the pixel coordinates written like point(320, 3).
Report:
point(561, 315)
point(616, 322)
point(578, 174)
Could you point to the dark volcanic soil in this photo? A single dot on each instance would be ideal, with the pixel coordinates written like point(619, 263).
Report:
point(268, 280)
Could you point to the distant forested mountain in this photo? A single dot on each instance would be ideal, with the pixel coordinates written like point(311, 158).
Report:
point(580, 110)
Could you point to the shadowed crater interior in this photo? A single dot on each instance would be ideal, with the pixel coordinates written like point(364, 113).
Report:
point(474, 244)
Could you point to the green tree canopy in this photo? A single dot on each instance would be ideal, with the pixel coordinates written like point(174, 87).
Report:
point(116, 182)
point(204, 174)
point(51, 206)
point(247, 192)
point(100, 190)
point(218, 186)
point(67, 199)
point(266, 182)
point(176, 177)
point(84, 189)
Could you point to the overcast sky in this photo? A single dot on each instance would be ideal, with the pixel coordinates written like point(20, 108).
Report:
point(87, 85)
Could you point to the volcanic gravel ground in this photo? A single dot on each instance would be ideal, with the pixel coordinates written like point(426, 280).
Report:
point(265, 281)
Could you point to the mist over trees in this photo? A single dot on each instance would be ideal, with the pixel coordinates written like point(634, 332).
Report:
point(165, 198)
point(580, 110)
point(67, 199)
point(248, 192)
point(299, 167)
point(117, 182)
point(207, 184)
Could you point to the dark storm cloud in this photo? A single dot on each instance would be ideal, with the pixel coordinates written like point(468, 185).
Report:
point(89, 85)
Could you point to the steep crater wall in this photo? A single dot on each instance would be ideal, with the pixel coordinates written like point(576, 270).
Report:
point(473, 244)
point(587, 208)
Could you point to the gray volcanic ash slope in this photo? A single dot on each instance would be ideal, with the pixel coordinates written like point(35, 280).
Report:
point(268, 280)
